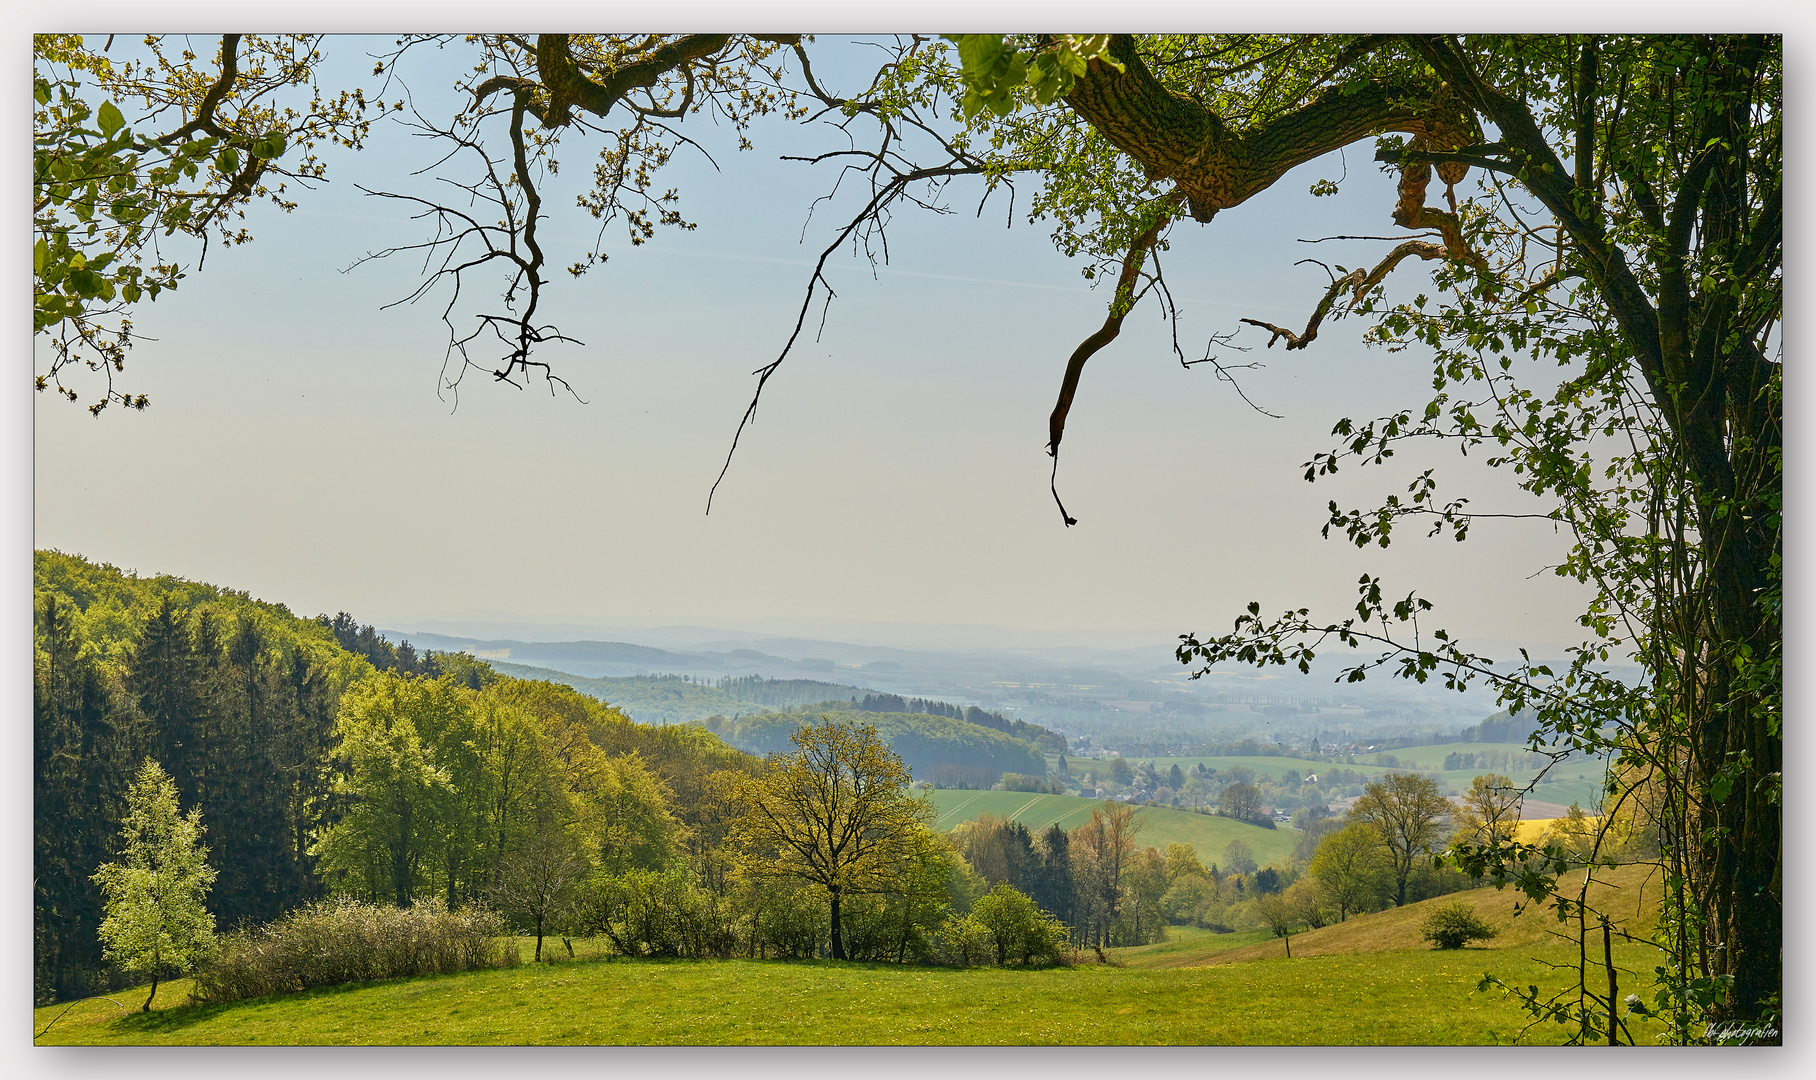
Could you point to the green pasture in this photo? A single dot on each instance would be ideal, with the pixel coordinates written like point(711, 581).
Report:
point(1368, 981)
point(1160, 826)
point(1416, 996)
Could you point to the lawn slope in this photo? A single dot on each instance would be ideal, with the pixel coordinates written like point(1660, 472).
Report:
point(1631, 896)
point(1408, 997)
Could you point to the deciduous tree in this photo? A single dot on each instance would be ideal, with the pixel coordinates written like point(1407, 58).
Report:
point(1407, 812)
point(1352, 868)
point(836, 813)
point(156, 895)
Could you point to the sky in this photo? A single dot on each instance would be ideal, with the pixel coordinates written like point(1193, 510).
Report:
point(297, 445)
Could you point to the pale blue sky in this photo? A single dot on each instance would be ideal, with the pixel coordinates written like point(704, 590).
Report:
point(296, 446)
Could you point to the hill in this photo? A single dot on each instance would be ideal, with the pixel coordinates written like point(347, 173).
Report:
point(683, 699)
point(1160, 825)
point(1630, 893)
point(110, 607)
point(937, 749)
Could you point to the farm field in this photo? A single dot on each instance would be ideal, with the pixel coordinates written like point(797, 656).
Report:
point(1366, 985)
point(1160, 826)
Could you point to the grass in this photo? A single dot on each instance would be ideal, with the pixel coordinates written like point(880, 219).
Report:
point(1414, 997)
point(1630, 895)
point(1369, 981)
point(1161, 826)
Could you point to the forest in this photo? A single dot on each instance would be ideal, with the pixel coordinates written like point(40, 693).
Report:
point(328, 762)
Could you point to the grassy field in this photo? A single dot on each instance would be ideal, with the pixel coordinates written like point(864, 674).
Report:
point(1160, 826)
point(1399, 998)
point(1369, 981)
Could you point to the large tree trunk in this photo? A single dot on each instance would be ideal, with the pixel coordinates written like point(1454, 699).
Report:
point(838, 936)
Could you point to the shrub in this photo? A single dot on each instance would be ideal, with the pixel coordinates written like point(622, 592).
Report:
point(1005, 926)
point(964, 941)
point(1454, 925)
point(658, 913)
point(341, 941)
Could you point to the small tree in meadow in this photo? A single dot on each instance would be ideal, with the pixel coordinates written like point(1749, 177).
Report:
point(155, 918)
point(1278, 914)
point(1454, 925)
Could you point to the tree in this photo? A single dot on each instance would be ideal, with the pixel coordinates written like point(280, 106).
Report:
point(1405, 810)
point(1349, 863)
point(1454, 925)
point(835, 813)
point(157, 915)
point(1241, 801)
point(82, 744)
point(1490, 813)
point(106, 190)
point(536, 881)
point(399, 798)
point(1312, 833)
point(1310, 901)
point(1100, 850)
point(1280, 915)
point(1238, 858)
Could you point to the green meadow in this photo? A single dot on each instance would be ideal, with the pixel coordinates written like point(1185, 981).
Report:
point(1367, 981)
point(1160, 826)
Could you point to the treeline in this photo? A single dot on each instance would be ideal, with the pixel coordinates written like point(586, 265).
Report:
point(367, 643)
point(938, 749)
point(683, 699)
point(1035, 734)
point(1502, 727)
point(236, 698)
point(779, 692)
point(1107, 888)
point(314, 772)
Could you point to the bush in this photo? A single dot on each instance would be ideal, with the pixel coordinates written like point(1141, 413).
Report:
point(658, 913)
point(341, 941)
point(1005, 926)
point(1454, 925)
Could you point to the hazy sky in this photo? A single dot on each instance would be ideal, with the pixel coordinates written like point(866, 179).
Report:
point(296, 446)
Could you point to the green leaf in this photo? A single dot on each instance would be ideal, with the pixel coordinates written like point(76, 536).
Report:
point(110, 119)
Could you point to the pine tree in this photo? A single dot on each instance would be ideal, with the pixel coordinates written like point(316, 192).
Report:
point(82, 739)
